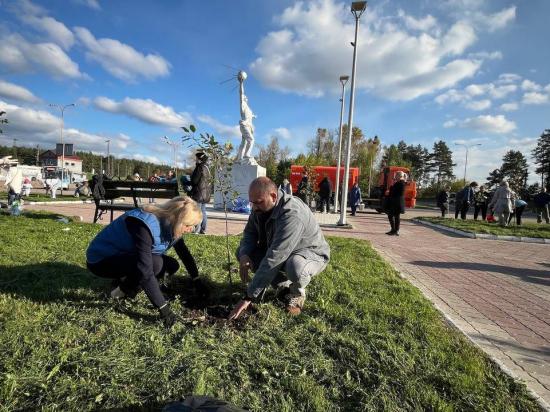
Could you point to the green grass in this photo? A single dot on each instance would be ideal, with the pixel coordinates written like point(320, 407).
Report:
point(475, 226)
point(367, 340)
point(40, 197)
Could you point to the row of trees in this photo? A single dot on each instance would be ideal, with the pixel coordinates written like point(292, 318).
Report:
point(432, 169)
point(119, 167)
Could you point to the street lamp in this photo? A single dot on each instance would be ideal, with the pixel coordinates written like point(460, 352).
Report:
point(62, 109)
point(468, 147)
point(108, 157)
point(174, 146)
point(357, 9)
point(343, 80)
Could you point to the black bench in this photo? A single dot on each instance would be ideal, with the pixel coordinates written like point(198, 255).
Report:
point(116, 189)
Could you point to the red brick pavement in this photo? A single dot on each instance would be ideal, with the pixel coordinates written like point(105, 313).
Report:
point(496, 292)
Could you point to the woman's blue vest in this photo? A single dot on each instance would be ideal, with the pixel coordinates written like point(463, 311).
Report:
point(115, 239)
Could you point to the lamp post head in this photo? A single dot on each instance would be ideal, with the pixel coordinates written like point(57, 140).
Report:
point(358, 7)
point(344, 79)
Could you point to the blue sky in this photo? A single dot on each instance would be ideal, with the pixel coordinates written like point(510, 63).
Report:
point(465, 71)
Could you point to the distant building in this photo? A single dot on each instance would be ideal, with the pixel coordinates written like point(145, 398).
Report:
point(72, 163)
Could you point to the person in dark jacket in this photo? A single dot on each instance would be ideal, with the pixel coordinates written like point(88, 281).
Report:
point(132, 251)
point(354, 198)
point(395, 203)
point(480, 203)
point(304, 189)
point(201, 191)
point(464, 199)
point(443, 200)
point(325, 192)
point(541, 201)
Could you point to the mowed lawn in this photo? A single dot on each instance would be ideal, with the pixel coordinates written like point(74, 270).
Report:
point(537, 230)
point(366, 341)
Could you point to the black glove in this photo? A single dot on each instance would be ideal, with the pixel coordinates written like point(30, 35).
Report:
point(168, 317)
point(201, 288)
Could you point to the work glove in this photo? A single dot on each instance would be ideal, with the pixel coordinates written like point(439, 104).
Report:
point(201, 288)
point(168, 317)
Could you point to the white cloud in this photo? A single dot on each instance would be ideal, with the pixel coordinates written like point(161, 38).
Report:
point(509, 107)
point(485, 123)
point(478, 105)
point(530, 86)
point(15, 92)
point(473, 12)
point(308, 53)
point(500, 19)
point(36, 18)
point(17, 55)
point(145, 110)
point(451, 96)
point(93, 4)
point(506, 78)
point(122, 60)
point(282, 132)
point(221, 129)
point(496, 55)
point(423, 24)
point(534, 98)
point(34, 127)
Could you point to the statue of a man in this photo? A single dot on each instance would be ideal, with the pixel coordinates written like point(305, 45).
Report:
point(244, 155)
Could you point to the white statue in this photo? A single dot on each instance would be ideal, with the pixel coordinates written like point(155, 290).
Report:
point(244, 155)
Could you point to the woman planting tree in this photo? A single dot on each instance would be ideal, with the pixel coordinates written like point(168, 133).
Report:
point(132, 250)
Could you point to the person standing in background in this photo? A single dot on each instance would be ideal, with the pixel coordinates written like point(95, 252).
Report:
point(201, 191)
point(395, 203)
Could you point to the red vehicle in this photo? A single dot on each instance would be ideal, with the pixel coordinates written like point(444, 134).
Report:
point(320, 171)
point(385, 181)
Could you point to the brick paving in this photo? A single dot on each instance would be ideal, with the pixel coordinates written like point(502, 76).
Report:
point(495, 292)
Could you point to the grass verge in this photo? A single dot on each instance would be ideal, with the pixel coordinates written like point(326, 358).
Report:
point(39, 197)
point(367, 340)
point(476, 226)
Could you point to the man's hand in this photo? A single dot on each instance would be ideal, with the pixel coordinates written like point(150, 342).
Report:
point(245, 265)
point(238, 309)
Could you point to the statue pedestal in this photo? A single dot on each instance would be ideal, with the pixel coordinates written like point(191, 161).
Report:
point(241, 177)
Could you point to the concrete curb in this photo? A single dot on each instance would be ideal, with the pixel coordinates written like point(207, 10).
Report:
point(58, 202)
point(486, 236)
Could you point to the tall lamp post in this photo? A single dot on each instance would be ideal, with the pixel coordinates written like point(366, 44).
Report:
point(62, 110)
point(343, 80)
point(108, 157)
point(174, 146)
point(468, 147)
point(357, 9)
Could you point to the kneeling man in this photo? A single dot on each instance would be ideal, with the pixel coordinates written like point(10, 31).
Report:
point(282, 243)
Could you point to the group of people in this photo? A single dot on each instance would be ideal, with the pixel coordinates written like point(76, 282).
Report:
point(504, 204)
point(282, 244)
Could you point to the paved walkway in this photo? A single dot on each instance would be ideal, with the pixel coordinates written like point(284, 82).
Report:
point(496, 292)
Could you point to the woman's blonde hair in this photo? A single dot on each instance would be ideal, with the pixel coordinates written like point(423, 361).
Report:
point(178, 212)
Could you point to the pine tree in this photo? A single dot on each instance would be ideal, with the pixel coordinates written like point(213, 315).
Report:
point(541, 154)
point(494, 179)
point(515, 169)
point(441, 162)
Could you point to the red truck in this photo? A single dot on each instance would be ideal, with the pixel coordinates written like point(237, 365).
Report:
point(385, 180)
point(320, 172)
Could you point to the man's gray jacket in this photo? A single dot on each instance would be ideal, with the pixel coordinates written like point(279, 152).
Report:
point(291, 229)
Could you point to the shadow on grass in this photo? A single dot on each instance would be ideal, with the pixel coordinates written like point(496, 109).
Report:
point(49, 282)
point(540, 277)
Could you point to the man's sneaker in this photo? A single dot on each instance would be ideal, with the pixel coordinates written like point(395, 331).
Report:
point(295, 304)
